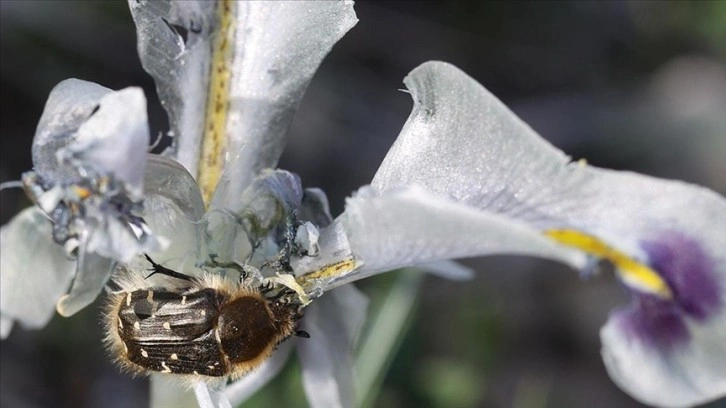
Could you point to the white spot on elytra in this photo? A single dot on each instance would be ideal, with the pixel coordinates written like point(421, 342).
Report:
point(137, 325)
point(144, 353)
point(216, 336)
point(167, 326)
point(204, 312)
point(184, 300)
point(210, 367)
point(128, 298)
point(174, 356)
point(150, 296)
point(195, 372)
point(166, 368)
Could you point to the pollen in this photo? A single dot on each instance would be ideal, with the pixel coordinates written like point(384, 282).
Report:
point(82, 192)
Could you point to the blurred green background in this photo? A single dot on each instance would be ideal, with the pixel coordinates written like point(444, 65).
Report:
point(627, 85)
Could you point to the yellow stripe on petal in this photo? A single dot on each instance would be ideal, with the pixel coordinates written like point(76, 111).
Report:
point(632, 272)
point(214, 141)
point(329, 271)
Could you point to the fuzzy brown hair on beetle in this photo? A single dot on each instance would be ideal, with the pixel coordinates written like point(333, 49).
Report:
point(202, 327)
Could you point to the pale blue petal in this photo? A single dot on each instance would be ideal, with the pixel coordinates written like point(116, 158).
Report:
point(179, 68)
point(691, 374)
point(209, 396)
point(447, 269)
point(278, 47)
point(70, 104)
point(114, 139)
point(242, 389)
point(112, 238)
point(6, 324)
point(84, 127)
point(34, 271)
point(315, 208)
point(463, 144)
point(333, 323)
point(173, 210)
point(270, 197)
point(92, 274)
point(168, 178)
point(335, 251)
point(413, 226)
point(168, 391)
point(670, 352)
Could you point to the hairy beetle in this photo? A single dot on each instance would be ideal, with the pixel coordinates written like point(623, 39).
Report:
point(206, 326)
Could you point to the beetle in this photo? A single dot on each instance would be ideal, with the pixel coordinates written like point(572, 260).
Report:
point(205, 326)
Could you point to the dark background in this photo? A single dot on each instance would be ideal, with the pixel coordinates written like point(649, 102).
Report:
point(627, 85)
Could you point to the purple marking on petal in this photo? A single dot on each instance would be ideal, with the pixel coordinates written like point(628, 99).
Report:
point(655, 321)
point(689, 272)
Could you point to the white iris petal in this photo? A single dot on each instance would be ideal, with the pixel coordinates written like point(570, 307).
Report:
point(173, 209)
point(462, 154)
point(92, 274)
point(248, 385)
point(278, 47)
point(69, 105)
point(447, 269)
point(692, 374)
point(34, 270)
point(180, 69)
point(88, 174)
point(114, 139)
point(465, 177)
point(333, 322)
point(6, 324)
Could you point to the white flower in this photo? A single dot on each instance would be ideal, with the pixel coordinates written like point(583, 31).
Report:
point(87, 182)
point(463, 159)
point(465, 178)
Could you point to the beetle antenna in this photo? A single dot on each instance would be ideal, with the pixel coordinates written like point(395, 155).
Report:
point(156, 268)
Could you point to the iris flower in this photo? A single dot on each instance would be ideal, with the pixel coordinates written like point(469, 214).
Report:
point(464, 178)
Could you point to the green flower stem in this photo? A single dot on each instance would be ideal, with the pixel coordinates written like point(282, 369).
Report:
point(381, 342)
